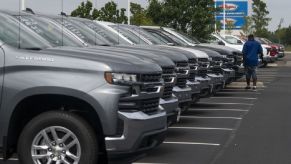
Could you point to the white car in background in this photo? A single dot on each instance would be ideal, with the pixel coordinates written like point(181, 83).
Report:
point(217, 39)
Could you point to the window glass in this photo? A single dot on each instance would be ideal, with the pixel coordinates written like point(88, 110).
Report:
point(49, 31)
point(15, 35)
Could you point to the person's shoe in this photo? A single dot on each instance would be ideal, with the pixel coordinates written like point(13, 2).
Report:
point(254, 88)
point(247, 87)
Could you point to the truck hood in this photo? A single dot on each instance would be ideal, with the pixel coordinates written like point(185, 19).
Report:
point(223, 50)
point(210, 53)
point(142, 54)
point(126, 64)
point(174, 56)
point(197, 53)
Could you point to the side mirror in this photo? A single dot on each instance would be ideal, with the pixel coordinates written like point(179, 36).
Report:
point(221, 43)
point(170, 44)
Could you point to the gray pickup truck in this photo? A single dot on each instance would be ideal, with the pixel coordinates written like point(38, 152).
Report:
point(73, 33)
point(64, 105)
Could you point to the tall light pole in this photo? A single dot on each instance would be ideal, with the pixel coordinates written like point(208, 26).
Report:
point(128, 11)
point(22, 5)
point(224, 16)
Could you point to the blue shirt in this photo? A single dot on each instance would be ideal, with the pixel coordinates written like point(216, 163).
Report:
point(251, 51)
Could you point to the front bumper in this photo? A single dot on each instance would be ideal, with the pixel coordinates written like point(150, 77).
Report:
point(171, 106)
point(239, 71)
point(206, 86)
point(217, 81)
point(141, 132)
point(183, 94)
point(195, 86)
point(229, 75)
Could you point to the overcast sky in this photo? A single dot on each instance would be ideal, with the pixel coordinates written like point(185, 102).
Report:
point(278, 8)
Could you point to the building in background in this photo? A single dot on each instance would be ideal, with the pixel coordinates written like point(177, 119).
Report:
point(232, 13)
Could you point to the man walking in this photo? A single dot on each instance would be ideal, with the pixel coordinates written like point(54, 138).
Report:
point(251, 51)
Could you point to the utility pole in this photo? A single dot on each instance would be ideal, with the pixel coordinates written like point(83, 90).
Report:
point(128, 11)
point(22, 5)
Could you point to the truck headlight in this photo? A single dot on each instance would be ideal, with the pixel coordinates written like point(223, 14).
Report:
point(117, 78)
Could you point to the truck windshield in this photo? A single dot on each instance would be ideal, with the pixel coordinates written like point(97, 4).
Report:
point(82, 31)
point(49, 31)
point(18, 36)
point(129, 35)
point(148, 36)
point(185, 37)
point(110, 36)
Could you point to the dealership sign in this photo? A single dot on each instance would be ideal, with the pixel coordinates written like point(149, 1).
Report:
point(235, 11)
point(237, 22)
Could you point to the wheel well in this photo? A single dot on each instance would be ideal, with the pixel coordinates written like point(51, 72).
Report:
point(32, 106)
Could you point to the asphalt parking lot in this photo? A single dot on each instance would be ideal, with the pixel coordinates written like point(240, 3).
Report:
point(234, 127)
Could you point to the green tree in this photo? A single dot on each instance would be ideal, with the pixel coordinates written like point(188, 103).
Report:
point(195, 17)
point(280, 32)
point(139, 15)
point(229, 27)
point(218, 25)
point(83, 10)
point(154, 11)
point(260, 17)
point(110, 13)
point(248, 27)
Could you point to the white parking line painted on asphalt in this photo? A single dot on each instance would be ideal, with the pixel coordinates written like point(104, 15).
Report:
point(210, 103)
point(232, 110)
point(149, 163)
point(244, 98)
point(202, 117)
point(243, 92)
point(192, 143)
point(272, 65)
point(10, 159)
point(201, 128)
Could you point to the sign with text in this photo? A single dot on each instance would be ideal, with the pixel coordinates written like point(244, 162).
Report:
point(235, 11)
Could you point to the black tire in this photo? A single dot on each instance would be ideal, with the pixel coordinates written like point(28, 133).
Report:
point(78, 126)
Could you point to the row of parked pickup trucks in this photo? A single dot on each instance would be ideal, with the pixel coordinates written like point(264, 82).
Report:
point(78, 91)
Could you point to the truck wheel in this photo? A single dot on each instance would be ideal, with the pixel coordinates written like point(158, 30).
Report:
point(58, 137)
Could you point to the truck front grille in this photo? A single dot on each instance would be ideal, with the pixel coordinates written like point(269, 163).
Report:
point(181, 82)
point(169, 79)
point(148, 78)
point(168, 70)
point(192, 76)
point(167, 92)
point(182, 64)
point(202, 73)
point(193, 61)
point(202, 60)
point(148, 106)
